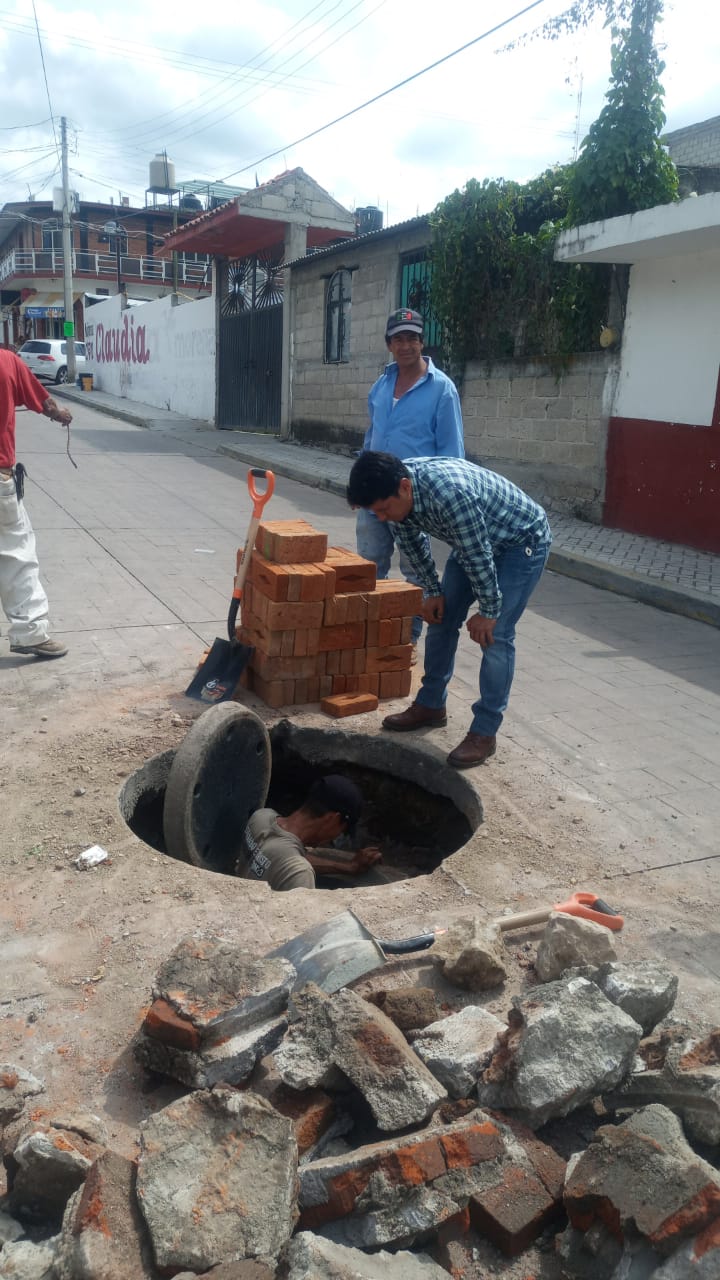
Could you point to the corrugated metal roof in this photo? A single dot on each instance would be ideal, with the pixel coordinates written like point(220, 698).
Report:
point(345, 245)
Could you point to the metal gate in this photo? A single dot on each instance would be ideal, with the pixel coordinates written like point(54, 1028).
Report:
point(250, 343)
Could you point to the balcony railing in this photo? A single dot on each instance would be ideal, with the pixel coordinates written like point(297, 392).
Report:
point(49, 262)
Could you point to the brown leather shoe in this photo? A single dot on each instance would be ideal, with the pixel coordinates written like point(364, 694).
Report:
point(416, 717)
point(475, 748)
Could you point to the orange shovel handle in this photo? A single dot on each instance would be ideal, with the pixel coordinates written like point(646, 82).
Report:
point(260, 500)
point(586, 905)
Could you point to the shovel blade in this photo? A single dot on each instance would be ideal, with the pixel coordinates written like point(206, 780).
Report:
point(216, 678)
point(332, 954)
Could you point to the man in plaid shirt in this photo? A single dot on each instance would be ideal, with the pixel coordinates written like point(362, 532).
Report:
point(500, 541)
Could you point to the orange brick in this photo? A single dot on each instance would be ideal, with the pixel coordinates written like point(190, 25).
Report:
point(332, 662)
point(351, 636)
point(349, 704)
point(392, 658)
point(406, 625)
point(352, 572)
point(255, 634)
point(369, 683)
point(306, 640)
point(162, 1022)
point(283, 668)
point(291, 542)
point(325, 686)
point(339, 684)
point(275, 693)
point(313, 689)
point(301, 692)
point(271, 579)
point(350, 607)
point(309, 582)
point(395, 684)
point(393, 599)
point(281, 615)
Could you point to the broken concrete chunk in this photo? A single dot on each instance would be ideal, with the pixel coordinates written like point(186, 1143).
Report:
point(10, 1228)
point(644, 1179)
point(392, 1193)
point(568, 941)
point(104, 1236)
point(85, 1123)
point(304, 1060)
point(314, 1114)
point(217, 990)
point(377, 1059)
point(456, 1049)
point(410, 1008)
point(217, 1180)
point(470, 955)
point(561, 1046)
point(15, 1086)
point(699, 1258)
point(644, 990)
point(45, 1168)
point(245, 1270)
point(25, 1260)
point(681, 1074)
point(311, 1257)
point(229, 1061)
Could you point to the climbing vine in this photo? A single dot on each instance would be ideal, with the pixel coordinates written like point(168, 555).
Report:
point(496, 289)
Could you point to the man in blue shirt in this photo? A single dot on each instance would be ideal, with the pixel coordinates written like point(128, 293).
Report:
point(414, 413)
point(500, 542)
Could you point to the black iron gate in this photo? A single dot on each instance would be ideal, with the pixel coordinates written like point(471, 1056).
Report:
point(250, 343)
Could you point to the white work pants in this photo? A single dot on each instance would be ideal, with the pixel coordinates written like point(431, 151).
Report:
point(23, 599)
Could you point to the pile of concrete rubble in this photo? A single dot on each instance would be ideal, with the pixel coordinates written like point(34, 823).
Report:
point(331, 1136)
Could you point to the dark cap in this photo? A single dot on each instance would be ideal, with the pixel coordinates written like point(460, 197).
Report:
point(336, 794)
point(404, 321)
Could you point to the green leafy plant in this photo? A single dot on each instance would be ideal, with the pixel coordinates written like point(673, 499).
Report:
point(497, 291)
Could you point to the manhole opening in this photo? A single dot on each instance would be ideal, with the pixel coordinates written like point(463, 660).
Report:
point(417, 810)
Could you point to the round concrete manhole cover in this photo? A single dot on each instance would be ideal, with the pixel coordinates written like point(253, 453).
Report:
point(219, 776)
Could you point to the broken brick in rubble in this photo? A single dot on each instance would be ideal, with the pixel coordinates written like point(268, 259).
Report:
point(104, 1236)
point(681, 1073)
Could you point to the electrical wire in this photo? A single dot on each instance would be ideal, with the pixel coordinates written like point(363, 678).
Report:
point(386, 92)
point(47, 86)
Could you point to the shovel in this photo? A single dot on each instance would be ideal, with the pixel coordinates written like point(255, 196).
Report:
point(342, 949)
point(217, 677)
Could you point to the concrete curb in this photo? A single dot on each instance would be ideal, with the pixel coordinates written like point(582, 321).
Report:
point(689, 603)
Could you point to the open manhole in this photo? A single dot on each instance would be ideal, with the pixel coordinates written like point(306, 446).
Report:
point(417, 809)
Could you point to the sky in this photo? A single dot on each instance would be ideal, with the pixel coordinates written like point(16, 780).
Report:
point(228, 92)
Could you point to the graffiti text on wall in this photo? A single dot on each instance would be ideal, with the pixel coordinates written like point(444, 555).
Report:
point(125, 343)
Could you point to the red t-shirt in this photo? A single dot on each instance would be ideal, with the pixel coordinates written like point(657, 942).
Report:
point(17, 386)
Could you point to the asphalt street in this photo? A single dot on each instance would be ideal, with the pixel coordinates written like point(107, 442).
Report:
point(616, 704)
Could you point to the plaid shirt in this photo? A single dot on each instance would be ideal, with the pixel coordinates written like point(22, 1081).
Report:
point(475, 511)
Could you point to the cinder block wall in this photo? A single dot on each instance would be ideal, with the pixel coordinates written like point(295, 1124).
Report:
point(546, 433)
point(698, 144)
point(329, 401)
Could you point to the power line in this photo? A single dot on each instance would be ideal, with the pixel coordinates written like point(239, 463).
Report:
point(47, 86)
point(385, 93)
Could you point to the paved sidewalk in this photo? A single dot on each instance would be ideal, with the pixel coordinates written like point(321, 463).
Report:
point(675, 578)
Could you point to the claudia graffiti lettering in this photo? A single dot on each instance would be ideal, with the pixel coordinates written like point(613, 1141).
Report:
point(125, 343)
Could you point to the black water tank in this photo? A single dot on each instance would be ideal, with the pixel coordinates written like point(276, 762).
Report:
point(368, 219)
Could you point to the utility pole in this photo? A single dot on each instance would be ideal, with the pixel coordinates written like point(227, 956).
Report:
point(69, 326)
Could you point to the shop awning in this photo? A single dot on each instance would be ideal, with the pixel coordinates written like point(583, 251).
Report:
point(46, 306)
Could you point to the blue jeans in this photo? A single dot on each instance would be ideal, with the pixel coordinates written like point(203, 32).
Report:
point(518, 572)
point(375, 542)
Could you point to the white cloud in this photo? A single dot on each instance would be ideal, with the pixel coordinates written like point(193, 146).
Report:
point(220, 89)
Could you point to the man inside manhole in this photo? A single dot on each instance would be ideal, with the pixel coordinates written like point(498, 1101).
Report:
point(287, 852)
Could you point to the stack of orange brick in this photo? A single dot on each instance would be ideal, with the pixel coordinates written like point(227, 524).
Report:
point(321, 627)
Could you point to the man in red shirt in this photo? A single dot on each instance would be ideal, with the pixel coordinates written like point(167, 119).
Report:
point(22, 596)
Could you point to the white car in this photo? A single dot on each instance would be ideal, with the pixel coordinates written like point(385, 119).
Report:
point(47, 358)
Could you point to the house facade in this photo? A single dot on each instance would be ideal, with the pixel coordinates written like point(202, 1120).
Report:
point(663, 450)
point(547, 433)
point(115, 248)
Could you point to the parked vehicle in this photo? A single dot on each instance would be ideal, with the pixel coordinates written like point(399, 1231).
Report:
point(47, 358)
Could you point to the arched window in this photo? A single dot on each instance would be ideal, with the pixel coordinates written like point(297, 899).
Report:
point(337, 317)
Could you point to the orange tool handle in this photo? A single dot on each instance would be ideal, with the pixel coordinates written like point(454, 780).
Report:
point(259, 501)
point(587, 905)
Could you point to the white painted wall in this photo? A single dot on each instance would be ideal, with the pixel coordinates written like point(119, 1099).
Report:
point(159, 353)
point(671, 340)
